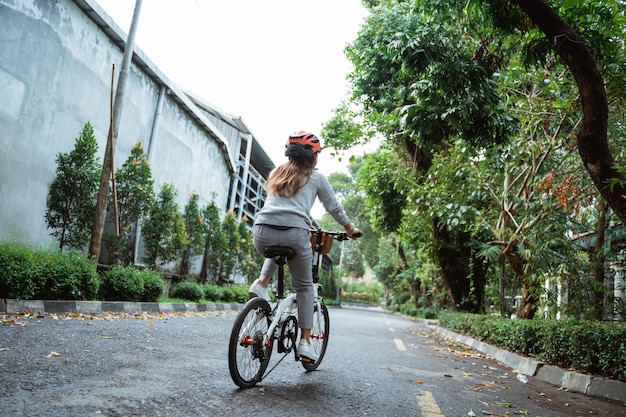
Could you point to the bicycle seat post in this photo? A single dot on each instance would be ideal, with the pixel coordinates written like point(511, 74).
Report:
point(280, 254)
point(281, 261)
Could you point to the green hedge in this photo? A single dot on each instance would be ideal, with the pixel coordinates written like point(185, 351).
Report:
point(126, 283)
point(27, 273)
point(188, 290)
point(597, 348)
point(230, 293)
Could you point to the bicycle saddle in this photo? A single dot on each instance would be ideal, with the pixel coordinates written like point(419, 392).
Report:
point(274, 251)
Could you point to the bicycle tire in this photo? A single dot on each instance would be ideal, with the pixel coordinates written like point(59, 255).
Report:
point(319, 335)
point(249, 349)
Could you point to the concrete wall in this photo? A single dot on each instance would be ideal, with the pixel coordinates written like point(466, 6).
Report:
point(56, 60)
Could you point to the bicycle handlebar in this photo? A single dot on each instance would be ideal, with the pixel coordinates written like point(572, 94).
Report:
point(339, 236)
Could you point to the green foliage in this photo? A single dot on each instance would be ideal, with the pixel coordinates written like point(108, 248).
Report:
point(441, 83)
point(153, 285)
point(71, 201)
point(361, 292)
point(27, 273)
point(127, 283)
point(188, 290)
point(214, 244)
point(382, 181)
point(228, 293)
point(212, 292)
point(134, 188)
point(228, 247)
point(195, 230)
point(341, 132)
point(588, 346)
point(164, 229)
point(18, 276)
point(67, 275)
point(248, 259)
point(232, 248)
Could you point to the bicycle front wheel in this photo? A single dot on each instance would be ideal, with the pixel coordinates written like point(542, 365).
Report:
point(319, 335)
point(250, 346)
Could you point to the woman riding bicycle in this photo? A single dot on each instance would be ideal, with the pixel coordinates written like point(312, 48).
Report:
point(285, 220)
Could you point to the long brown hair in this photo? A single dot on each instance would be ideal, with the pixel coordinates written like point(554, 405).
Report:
point(289, 178)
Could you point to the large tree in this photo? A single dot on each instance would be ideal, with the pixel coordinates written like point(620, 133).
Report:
point(591, 140)
point(419, 87)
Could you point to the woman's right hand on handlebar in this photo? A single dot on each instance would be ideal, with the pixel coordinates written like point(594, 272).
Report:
point(354, 233)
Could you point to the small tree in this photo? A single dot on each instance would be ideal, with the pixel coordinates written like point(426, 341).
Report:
point(72, 196)
point(214, 243)
point(195, 230)
point(231, 247)
point(135, 193)
point(249, 260)
point(164, 229)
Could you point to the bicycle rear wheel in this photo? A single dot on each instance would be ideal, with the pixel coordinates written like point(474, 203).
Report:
point(319, 335)
point(250, 348)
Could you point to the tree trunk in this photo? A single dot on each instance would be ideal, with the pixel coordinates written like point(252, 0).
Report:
point(463, 274)
point(592, 140)
point(529, 302)
point(598, 253)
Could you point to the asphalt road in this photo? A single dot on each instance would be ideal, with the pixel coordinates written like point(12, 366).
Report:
point(377, 364)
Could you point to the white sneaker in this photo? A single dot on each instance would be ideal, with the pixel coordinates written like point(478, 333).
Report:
point(258, 290)
point(306, 350)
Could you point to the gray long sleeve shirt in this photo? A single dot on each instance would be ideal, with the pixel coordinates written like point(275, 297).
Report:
point(296, 211)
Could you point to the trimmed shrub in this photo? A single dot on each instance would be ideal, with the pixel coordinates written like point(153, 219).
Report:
point(409, 309)
point(153, 285)
point(68, 275)
point(593, 347)
point(228, 294)
point(188, 290)
point(127, 283)
point(212, 292)
point(27, 273)
point(121, 283)
point(18, 276)
point(241, 293)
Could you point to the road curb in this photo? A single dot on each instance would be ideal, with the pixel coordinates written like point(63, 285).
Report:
point(8, 306)
point(573, 381)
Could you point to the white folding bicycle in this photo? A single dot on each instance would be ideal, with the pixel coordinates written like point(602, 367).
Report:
point(258, 325)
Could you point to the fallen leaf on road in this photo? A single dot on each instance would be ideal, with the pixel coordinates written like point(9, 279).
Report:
point(53, 354)
point(447, 375)
point(417, 381)
point(4, 349)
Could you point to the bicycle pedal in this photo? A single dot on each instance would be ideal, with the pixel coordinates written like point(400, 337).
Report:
point(307, 360)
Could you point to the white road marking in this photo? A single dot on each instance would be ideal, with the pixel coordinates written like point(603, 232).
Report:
point(428, 405)
point(399, 345)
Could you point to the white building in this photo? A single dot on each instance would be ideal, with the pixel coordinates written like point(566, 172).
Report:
point(56, 65)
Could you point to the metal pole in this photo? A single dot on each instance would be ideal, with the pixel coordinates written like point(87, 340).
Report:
point(338, 295)
point(103, 191)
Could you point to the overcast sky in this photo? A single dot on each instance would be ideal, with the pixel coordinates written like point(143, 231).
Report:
point(279, 64)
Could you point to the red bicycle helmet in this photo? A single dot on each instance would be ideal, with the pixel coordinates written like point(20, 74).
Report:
point(302, 144)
